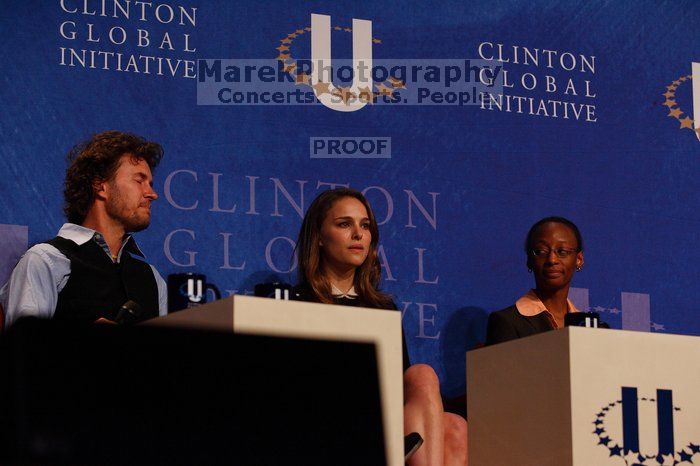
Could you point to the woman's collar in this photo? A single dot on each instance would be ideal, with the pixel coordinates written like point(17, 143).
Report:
point(337, 293)
point(530, 305)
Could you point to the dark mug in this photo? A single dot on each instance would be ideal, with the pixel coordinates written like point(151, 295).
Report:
point(275, 290)
point(582, 319)
point(186, 290)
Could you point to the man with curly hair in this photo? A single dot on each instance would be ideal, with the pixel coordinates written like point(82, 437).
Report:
point(93, 266)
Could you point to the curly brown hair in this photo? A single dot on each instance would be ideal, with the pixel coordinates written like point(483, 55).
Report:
point(95, 161)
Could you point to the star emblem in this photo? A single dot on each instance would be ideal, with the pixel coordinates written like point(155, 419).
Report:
point(366, 95)
point(686, 122)
point(282, 48)
point(677, 83)
point(685, 456)
point(668, 94)
point(289, 68)
point(396, 83)
point(384, 90)
point(671, 87)
point(321, 88)
point(376, 41)
point(303, 78)
point(676, 113)
point(631, 457)
point(307, 29)
point(599, 309)
point(292, 35)
point(694, 448)
point(347, 30)
point(614, 310)
point(338, 28)
point(657, 327)
point(599, 431)
point(670, 103)
point(604, 441)
point(286, 40)
point(299, 31)
point(345, 94)
point(615, 451)
point(598, 422)
point(282, 57)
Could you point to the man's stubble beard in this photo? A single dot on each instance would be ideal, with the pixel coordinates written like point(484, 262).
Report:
point(116, 206)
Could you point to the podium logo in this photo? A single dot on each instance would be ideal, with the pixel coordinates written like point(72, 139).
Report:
point(626, 412)
point(675, 110)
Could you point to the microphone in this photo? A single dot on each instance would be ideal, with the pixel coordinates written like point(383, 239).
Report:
point(129, 313)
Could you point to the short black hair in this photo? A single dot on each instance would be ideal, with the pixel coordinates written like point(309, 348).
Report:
point(553, 219)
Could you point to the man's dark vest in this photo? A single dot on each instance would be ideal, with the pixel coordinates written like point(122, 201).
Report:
point(98, 287)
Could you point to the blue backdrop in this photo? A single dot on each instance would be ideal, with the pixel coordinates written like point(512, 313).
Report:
point(461, 187)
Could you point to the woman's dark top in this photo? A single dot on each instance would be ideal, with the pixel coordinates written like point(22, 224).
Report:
point(304, 293)
point(528, 316)
point(508, 324)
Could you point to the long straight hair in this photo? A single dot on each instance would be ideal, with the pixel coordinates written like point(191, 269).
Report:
point(309, 252)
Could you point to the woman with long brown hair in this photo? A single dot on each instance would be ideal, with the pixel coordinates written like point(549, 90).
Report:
point(332, 250)
point(338, 264)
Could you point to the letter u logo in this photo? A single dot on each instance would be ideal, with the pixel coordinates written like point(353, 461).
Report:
point(630, 420)
point(322, 66)
point(194, 295)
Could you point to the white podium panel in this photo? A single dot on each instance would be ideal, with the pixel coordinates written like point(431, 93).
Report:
point(585, 397)
point(264, 316)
